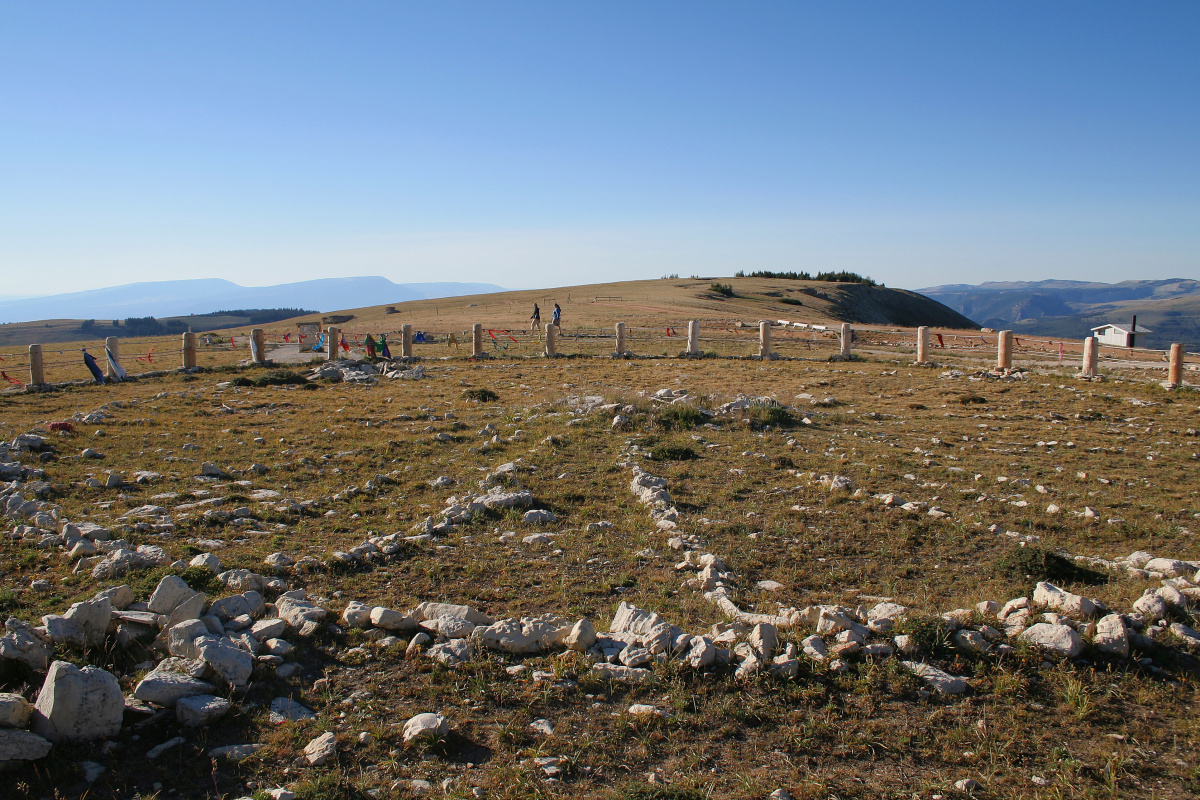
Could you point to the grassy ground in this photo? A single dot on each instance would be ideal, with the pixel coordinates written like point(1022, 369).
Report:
point(1089, 729)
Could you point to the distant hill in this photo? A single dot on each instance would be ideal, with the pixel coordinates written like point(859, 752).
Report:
point(670, 301)
point(1070, 309)
point(649, 303)
point(205, 295)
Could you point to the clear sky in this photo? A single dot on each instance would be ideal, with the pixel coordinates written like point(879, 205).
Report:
point(545, 144)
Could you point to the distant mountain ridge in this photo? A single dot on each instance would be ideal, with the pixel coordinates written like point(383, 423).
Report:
point(204, 295)
point(1170, 308)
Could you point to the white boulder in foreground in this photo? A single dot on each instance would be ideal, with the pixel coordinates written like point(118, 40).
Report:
point(78, 704)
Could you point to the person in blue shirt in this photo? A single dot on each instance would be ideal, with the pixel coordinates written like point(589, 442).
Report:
point(557, 318)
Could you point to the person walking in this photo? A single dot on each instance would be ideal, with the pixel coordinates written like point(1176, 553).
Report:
point(557, 316)
point(537, 318)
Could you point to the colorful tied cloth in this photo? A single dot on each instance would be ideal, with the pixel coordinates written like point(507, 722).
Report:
point(116, 369)
point(383, 346)
point(93, 367)
point(370, 345)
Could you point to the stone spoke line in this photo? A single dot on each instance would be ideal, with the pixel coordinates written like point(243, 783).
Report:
point(206, 650)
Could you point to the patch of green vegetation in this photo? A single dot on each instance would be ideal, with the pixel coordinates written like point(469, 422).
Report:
point(10, 601)
point(672, 452)
point(481, 395)
point(791, 301)
point(969, 399)
point(281, 377)
point(723, 289)
point(769, 414)
point(679, 416)
point(201, 579)
point(1033, 563)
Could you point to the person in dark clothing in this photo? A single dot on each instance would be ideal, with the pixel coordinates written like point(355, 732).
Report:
point(537, 318)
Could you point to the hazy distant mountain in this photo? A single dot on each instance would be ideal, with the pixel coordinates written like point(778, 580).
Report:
point(1169, 308)
point(203, 295)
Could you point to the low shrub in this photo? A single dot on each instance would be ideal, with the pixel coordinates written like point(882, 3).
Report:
point(481, 395)
point(281, 377)
point(1033, 563)
point(672, 452)
point(679, 416)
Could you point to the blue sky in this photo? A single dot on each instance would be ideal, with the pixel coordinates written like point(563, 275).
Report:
point(530, 144)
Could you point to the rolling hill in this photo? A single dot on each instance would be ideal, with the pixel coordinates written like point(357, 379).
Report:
point(1169, 308)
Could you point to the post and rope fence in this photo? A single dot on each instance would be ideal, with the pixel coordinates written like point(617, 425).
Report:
point(775, 339)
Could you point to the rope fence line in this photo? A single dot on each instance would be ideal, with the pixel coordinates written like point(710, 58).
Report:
point(770, 339)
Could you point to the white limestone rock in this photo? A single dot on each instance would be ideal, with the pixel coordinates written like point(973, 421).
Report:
point(22, 746)
point(427, 610)
point(1060, 641)
point(201, 709)
point(206, 561)
point(169, 594)
point(427, 727)
point(618, 672)
point(26, 644)
point(1112, 636)
point(581, 637)
point(938, 680)
point(357, 615)
point(231, 662)
point(78, 704)
point(1169, 567)
point(452, 653)
point(284, 709)
point(1050, 596)
point(14, 710)
point(165, 687)
point(321, 749)
point(1150, 605)
point(391, 620)
point(524, 635)
point(296, 612)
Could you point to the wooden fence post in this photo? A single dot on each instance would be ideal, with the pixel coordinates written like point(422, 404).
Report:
point(1175, 367)
point(1004, 344)
point(37, 373)
point(693, 344)
point(620, 350)
point(846, 336)
point(477, 340)
point(406, 341)
point(112, 347)
point(923, 344)
point(189, 350)
point(551, 340)
point(333, 338)
point(1091, 357)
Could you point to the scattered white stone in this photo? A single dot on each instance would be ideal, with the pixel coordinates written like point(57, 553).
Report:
point(321, 749)
point(1061, 641)
point(18, 745)
point(938, 680)
point(427, 727)
point(201, 709)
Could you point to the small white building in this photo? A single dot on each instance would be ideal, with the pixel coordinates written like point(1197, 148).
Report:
point(1121, 335)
